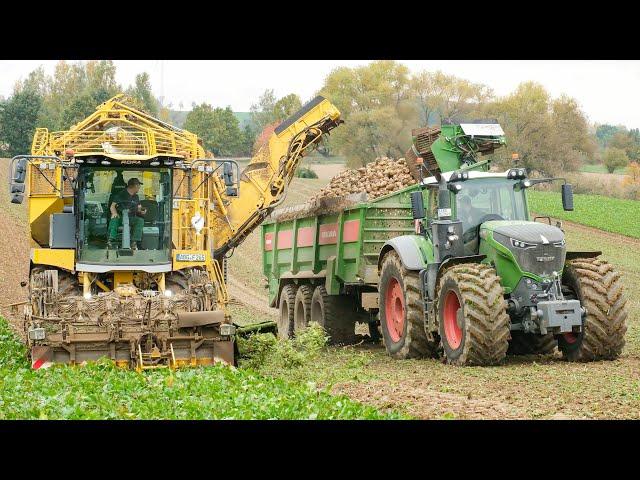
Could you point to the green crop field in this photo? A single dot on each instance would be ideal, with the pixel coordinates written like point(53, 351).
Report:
point(599, 168)
point(606, 213)
point(103, 391)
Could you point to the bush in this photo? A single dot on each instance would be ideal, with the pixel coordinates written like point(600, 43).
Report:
point(305, 172)
point(263, 349)
point(614, 158)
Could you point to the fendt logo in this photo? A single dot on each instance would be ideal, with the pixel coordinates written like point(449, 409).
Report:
point(547, 258)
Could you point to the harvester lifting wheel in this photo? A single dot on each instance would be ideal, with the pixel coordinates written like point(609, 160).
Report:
point(597, 285)
point(472, 315)
point(302, 309)
point(402, 311)
point(285, 318)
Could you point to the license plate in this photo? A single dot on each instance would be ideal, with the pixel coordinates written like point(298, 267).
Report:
point(190, 257)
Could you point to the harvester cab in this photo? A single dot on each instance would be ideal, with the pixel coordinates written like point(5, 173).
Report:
point(132, 224)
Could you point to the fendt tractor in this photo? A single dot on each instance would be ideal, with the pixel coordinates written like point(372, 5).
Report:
point(453, 266)
point(132, 225)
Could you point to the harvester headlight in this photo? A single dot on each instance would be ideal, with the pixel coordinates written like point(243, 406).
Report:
point(105, 162)
point(168, 162)
point(79, 160)
point(227, 329)
point(155, 163)
point(168, 293)
point(87, 296)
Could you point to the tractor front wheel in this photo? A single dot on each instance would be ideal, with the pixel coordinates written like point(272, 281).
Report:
point(598, 287)
point(472, 315)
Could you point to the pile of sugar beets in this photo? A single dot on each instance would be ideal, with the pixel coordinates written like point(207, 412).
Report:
point(377, 178)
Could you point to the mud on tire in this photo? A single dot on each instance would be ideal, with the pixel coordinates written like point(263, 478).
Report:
point(302, 308)
point(598, 287)
point(333, 313)
point(285, 315)
point(402, 311)
point(472, 317)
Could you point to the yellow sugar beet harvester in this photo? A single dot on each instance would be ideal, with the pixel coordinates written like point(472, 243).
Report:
point(148, 291)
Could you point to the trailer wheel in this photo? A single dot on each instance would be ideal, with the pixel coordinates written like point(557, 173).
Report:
point(472, 315)
point(302, 310)
point(285, 319)
point(402, 311)
point(531, 344)
point(597, 285)
point(332, 313)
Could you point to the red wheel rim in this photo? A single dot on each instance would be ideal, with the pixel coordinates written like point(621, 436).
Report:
point(452, 330)
point(570, 338)
point(394, 310)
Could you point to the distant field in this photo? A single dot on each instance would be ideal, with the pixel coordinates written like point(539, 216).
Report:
point(599, 168)
point(606, 213)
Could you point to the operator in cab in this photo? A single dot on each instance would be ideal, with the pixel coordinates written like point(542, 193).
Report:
point(127, 200)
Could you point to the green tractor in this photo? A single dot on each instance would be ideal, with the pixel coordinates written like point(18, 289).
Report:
point(486, 279)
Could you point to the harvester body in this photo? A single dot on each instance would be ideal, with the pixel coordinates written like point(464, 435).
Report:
point(130, 226)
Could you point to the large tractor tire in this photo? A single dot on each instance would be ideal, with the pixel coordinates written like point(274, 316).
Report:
point(302, 309)
point(530, 344)
point(286, 309)
point(333, 313)
point(472, 315)
point(402, 311)
point(598, 287)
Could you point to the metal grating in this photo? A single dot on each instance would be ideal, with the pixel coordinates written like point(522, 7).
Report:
point(39, 184)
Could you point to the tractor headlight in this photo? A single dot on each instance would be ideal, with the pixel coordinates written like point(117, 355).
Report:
point(521, 244)
point(168, 293)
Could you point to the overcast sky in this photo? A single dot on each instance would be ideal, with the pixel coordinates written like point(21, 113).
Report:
point(608, 91)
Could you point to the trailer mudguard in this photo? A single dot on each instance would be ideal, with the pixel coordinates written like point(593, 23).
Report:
point(413, 251)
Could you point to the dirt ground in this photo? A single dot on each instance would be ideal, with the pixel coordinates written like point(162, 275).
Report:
point(525, 387)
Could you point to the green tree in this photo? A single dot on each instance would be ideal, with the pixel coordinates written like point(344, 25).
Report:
point(550, 136)
point(377, 101)
point(19, 117)
point(446, 96)
point(269, 109)
point(217, 127)
point(615, 158)
point(141, 93)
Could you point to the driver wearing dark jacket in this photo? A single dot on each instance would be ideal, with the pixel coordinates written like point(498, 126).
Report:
point(467, 213)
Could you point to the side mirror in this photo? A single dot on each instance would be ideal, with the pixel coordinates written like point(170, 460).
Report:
point(417, 205)
point(227, 174)
point(19, 171)
point(17, 198)
point(567, 197)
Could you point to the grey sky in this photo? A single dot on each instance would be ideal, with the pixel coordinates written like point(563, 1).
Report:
point(607, 90)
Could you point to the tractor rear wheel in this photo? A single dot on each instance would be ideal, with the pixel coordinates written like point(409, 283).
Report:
point(598, 287)
point(531, 344)
point(333, 313)
point(302, 309)
point(402, 311)
point(285, 319)
point(472, 315)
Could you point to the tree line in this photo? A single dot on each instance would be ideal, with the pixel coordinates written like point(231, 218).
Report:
point(381, 103)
